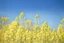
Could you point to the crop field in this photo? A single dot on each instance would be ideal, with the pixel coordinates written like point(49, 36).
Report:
point(27, 32)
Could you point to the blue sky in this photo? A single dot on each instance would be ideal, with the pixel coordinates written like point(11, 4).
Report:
point(51, 11)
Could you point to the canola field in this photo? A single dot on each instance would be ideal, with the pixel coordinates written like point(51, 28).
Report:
point(27, 32)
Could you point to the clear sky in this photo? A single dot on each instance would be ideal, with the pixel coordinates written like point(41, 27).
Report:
point(51, 11)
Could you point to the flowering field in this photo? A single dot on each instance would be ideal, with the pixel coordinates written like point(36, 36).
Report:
point(27, 32)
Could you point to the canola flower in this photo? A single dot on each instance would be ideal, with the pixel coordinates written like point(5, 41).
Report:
point(15, 33)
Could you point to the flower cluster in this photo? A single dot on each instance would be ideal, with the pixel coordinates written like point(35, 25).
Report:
point(31, 33)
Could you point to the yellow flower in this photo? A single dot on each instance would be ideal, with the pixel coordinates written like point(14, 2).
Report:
point(14, 23)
